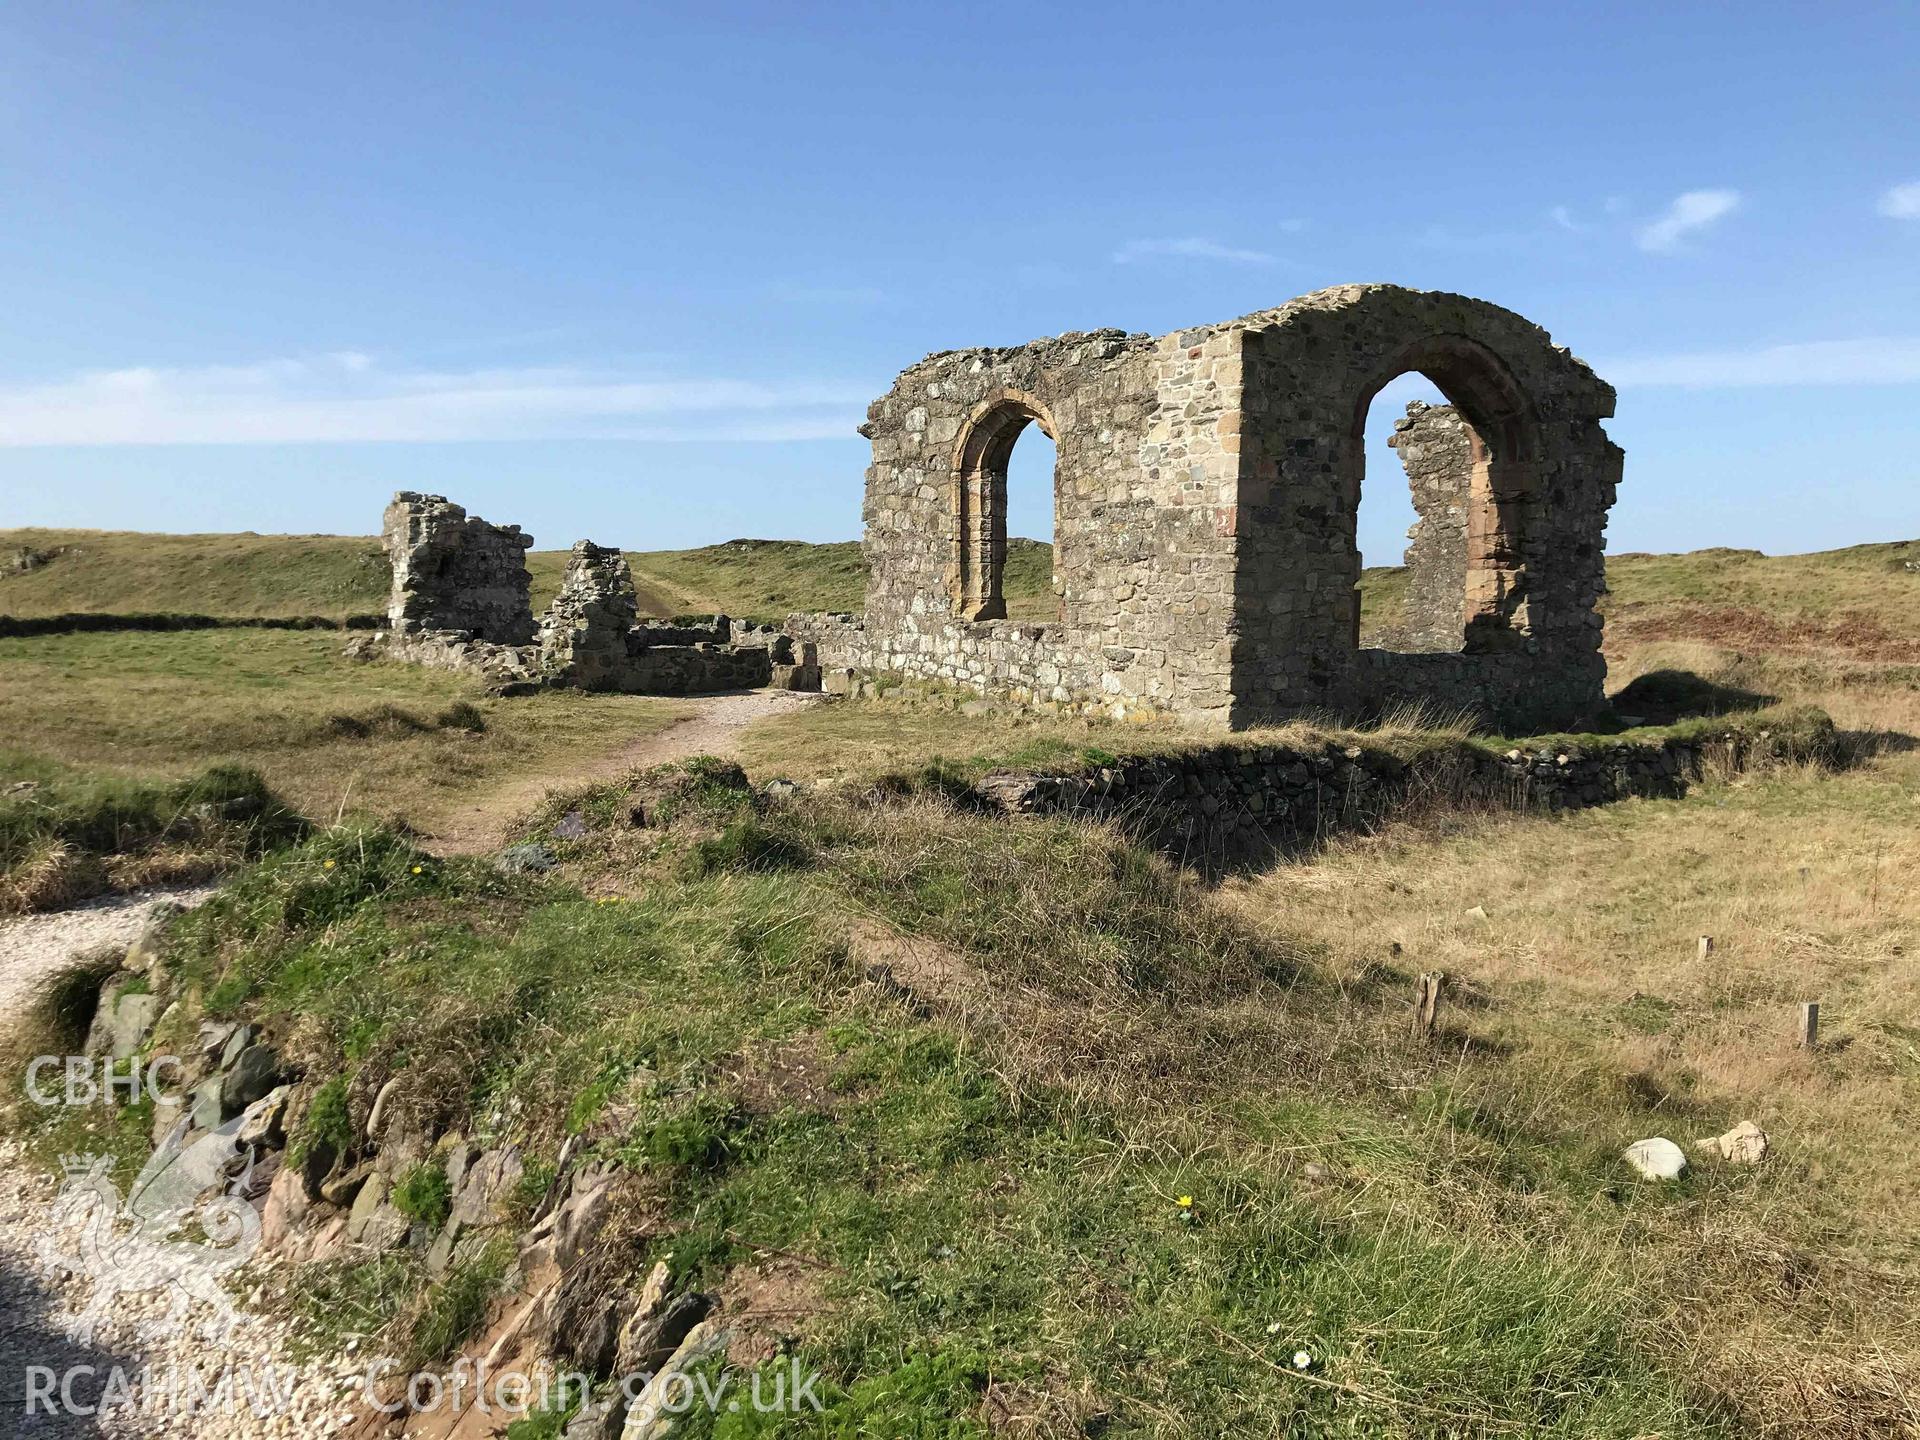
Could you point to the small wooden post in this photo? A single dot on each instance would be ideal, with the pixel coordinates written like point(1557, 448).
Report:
point(1810, 1025)
point(1706, 946)
point(1426, 1002)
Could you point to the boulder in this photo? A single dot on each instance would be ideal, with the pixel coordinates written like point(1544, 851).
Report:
point(1745, 1144)
point(143, 955)
point(254, 1075)
point(203, 1104)
point(529, 859)
point(177, 1176)
point(211, 1039)
point(264, 1122)
point(372, 1223)
point(342, 1188)
point(1657, 1158)
point(287, 1206)
point(122, 1021)
point(487, 1186)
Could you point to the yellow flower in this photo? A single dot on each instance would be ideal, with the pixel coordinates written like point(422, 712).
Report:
point(416, 869)
point(1185, 1202)
point(326, 864)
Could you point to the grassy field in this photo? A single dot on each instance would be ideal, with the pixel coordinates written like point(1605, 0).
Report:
point(333, 576)
point(329, 735)
point(1133, 1141)
point(1127, 1145)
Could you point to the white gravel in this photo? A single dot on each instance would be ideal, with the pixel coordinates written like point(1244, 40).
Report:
point(34, 947)
point(143, 1371)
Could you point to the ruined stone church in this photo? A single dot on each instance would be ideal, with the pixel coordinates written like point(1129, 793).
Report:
point(1205, 500)
point(1206, 562)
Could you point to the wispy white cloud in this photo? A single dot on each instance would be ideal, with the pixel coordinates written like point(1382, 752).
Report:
point(1563, 217)
point(1192, 247)
point(1901, 202)
point(1690, 212)
point(1892, 360)
point(349, 396)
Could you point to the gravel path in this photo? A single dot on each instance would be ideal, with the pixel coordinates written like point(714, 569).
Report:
point(33, 947)
point(143, 1373)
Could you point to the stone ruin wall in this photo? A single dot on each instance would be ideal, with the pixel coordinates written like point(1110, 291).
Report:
point(455, 572)
point(1143, 488)
point(1207, 488)
point(461, 601)
point(1435, 446)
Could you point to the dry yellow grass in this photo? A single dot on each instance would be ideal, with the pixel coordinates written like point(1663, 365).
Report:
point(1587, 970)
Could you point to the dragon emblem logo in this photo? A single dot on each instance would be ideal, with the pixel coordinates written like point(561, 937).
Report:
point(183, 1227)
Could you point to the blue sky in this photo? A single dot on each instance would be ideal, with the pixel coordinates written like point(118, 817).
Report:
point(633, 271)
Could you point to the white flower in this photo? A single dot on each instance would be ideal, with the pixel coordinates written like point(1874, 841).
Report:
point(1302, 1360)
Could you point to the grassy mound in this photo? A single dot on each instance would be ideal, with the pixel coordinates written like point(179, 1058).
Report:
point(1052, 1130)
point(65, 835)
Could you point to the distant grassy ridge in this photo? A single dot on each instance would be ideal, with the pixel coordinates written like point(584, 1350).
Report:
point(1859, 600)
point(339, 578)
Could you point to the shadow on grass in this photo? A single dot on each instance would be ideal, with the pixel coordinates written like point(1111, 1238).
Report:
point(1665, 697)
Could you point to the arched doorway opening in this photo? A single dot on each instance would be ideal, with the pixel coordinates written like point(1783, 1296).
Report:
point(996, 496)
point(1465, 443)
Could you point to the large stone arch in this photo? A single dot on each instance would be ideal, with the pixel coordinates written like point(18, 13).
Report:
point(1205, 495)
point(1545, 474)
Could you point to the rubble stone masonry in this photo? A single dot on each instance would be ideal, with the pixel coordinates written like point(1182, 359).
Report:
point(1205, 495)
point(453, 572)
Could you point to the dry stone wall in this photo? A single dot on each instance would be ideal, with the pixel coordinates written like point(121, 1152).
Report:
point(1222, 804)
point(1206, 491)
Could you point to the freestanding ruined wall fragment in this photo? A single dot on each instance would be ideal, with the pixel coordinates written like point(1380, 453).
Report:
point(1435, 445)
point(455, 573)
point(1205, 500)
point(584, 634)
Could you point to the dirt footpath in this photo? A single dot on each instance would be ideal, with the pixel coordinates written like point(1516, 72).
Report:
point(710, 725)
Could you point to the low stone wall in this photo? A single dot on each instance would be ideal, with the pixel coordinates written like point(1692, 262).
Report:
point(717, 631)
point(17, 626)
point(695, 669)
point(1226, 803)
point(1037, 665)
